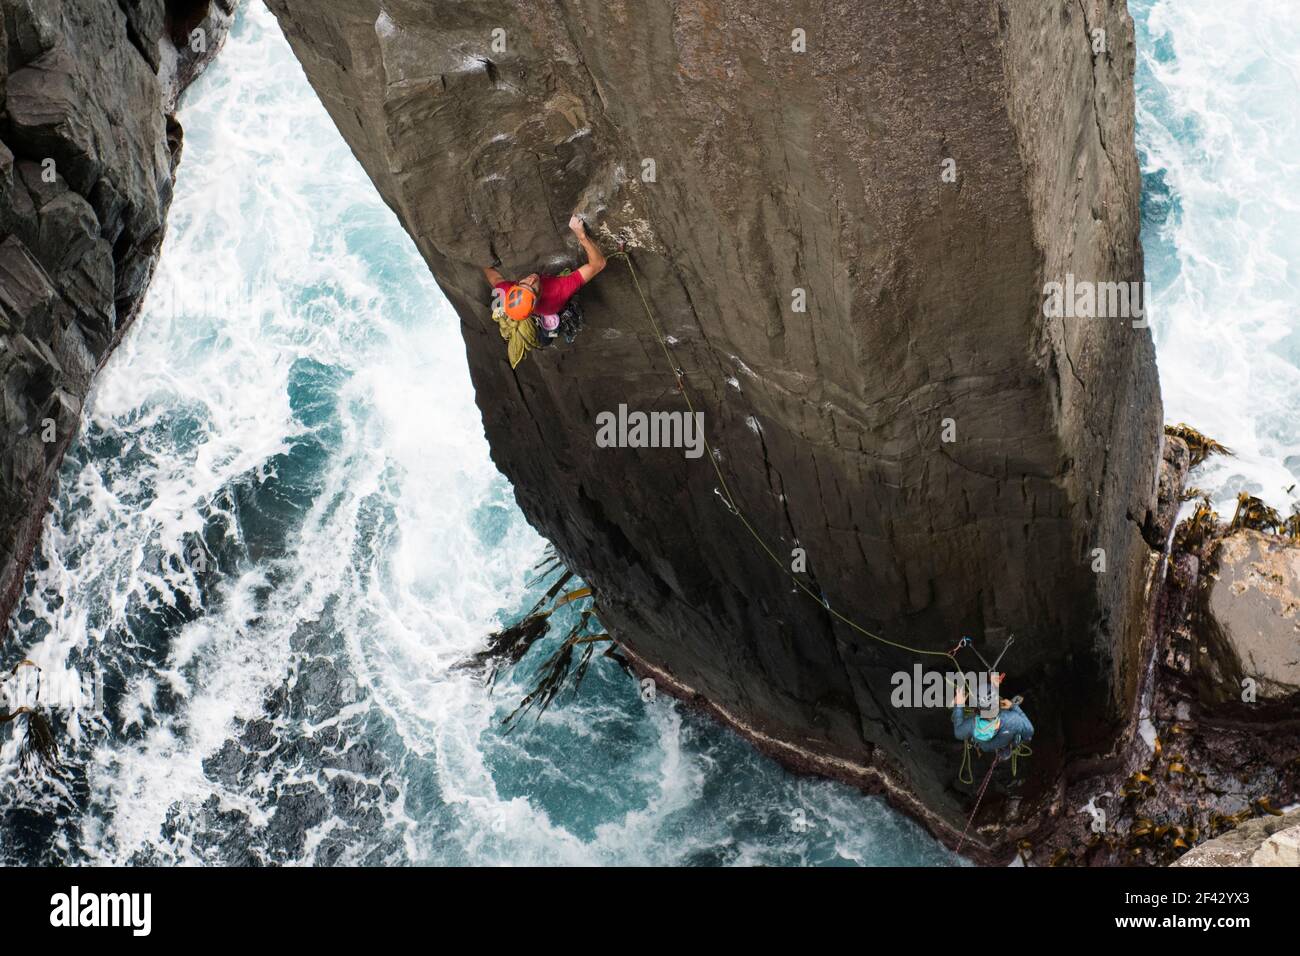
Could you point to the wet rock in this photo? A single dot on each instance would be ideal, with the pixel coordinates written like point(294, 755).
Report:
point(304, 762)
point(317, 680)
point(89, 150)
point(1175, 462)
point(298, 808)
point(227, 764)
point(218, 835)
point(259, 735)
point(782, 177)
point(1200, 760)
point(1267, 841)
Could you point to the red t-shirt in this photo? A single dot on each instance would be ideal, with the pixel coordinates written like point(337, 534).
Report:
point(552, 293)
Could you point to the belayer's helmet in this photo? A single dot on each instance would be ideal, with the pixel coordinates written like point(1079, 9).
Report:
point(519, 302)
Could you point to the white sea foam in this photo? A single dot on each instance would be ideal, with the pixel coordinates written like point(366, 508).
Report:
point(281, 262)
point(256, 277)
point(1219, 122)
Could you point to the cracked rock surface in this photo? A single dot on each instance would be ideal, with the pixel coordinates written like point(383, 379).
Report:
point(88, 149)
point(776, 175)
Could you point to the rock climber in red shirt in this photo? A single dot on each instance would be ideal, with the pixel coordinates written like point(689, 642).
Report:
point(542, 297)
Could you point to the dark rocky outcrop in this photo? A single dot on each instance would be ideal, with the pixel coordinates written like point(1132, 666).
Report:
point(483, 125)
point(88, 148)
point(310, 756)
point(1207, 757)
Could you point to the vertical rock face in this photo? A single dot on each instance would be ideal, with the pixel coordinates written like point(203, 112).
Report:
point(746, 176)
point(88, 148)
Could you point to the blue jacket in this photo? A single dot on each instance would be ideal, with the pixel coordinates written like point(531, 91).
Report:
point(1015, 728)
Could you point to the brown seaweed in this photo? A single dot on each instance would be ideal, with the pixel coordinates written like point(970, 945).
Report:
point(1201, 446)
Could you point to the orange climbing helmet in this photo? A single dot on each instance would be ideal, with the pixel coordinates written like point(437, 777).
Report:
point(520, 301)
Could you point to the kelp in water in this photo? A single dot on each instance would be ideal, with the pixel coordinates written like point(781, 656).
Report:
point(39, 750)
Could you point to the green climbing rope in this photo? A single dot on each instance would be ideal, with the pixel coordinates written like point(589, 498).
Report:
point(731, 501)
point(965, 774)
point(1018, 751)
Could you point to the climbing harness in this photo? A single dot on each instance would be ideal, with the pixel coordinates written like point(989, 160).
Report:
point(1017, 750)
point(565, 324)
point(571, 320)
point(1014, 753)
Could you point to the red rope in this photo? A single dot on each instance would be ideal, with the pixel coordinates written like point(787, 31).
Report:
point(980, 796)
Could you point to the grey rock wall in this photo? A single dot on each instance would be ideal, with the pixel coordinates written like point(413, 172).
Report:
point(819, 171)
point(88, 149)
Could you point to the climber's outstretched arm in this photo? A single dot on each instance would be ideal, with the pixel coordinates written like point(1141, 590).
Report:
point(494, 278)
point(595, 258)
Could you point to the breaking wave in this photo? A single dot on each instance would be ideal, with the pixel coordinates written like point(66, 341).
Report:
point(280, 530)
point(279, 534)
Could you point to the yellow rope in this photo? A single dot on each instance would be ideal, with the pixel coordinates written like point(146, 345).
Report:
point(1018, 751)
point(965, 774)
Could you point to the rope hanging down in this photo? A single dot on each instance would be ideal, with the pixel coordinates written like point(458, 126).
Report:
point(730, 500)
point(978, 797)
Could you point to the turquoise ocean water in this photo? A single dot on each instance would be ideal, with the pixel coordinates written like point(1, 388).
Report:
point(280, 530)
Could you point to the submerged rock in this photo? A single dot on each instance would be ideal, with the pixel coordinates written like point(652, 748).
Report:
point(847, 243)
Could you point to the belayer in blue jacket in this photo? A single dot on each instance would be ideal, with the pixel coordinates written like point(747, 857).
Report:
point(1008, 729)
